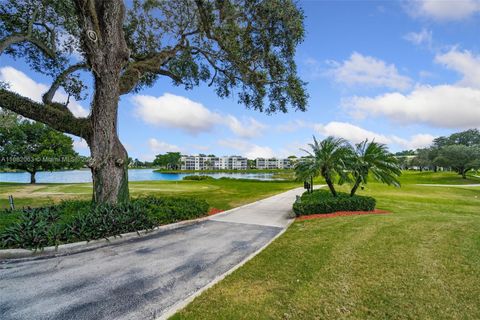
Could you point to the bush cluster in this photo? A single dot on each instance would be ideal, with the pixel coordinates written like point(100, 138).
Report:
point(322, 201)
point(197, 177)
point(72, 221)
point(172, 209)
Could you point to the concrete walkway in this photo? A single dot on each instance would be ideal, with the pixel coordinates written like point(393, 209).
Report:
point(144, 277)
point(449, 185)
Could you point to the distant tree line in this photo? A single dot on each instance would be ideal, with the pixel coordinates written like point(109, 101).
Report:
point(136, 163)
point(459, 152)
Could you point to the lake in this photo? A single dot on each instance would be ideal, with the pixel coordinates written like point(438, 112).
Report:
point(81, 176)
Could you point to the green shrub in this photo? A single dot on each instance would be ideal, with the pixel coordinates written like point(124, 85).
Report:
point(173, 209)
point(72, 221)
point(108, 220)
point(322, 201)
point(33, 230)
point(197, 177)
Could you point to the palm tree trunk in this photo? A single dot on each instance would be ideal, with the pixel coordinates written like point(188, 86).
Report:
point(355, 187)
point(330, 186)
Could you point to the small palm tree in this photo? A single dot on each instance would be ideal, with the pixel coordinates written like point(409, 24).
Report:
point(326, 159)
point(306, 171)
point(374, 158)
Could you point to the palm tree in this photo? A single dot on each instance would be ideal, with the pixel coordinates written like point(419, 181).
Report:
point(374, 158)
point(326, 159)
point(306, 170)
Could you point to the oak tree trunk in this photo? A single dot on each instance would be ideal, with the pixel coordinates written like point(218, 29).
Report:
point(107, 53)
point(110, 159)
point(32, 177)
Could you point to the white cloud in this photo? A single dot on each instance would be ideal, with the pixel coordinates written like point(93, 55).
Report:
point(249, 128)
point(368, 71)
point(247, 149)
point(465, 63)
point(415, 142)
point(80, 144)
point(356, 134)
point(350, 132)
point(445, 106)
point(175, 112)
point(419, 38)
point(22, 84)
point(294, 125)
point(157, 146)
point(443, 10)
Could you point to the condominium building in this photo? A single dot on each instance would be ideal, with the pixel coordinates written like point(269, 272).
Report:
point(272, 163)
point(213, 163)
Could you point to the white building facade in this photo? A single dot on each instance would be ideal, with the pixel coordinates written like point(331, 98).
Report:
point(199, 163)
point(273, 163)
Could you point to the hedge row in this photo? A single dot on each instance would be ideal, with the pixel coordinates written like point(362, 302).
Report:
point(73, 221)
point(197, 177)
point(322, 201)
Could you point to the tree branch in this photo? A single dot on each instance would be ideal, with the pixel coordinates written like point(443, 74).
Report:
point(11, 40)
point(48, 96)
point(153, 64)
point(54, 115)
point(16, 38)
point(19, 38)
point(170, 74)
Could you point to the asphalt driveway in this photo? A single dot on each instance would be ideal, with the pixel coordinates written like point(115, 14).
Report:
point(143, 277)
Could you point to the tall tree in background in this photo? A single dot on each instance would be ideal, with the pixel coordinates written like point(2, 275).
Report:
point(470, 137)
point(460, 158)
point(170, 160)
point(34, 146)
point(244, 45)
point(423, 158)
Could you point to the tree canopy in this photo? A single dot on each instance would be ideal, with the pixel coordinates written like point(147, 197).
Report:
point(372, 158)
point(467, 138)
point(246, 47)
point(34, 147)
point(170, 160)
point(459, 157)
point(335, 159)
point(327, 158)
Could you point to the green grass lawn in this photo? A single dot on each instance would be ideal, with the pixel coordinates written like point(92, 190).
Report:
point(221, 194)
point(420, 262)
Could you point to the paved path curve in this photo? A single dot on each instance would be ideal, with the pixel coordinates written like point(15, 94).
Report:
point(143, 277)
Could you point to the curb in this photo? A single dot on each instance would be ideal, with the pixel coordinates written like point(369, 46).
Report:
point(182, 304)
point(75, 247)
point(70, 248)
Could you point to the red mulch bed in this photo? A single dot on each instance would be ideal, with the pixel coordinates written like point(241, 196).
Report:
point(340, 214)
point(213, 211)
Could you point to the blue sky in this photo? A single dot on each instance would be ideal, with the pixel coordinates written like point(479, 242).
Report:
point(400, 72)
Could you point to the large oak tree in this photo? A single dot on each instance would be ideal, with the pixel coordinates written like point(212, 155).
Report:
point(244, 47)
